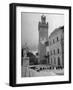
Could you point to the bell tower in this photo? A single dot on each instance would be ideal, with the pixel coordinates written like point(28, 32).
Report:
point(43, 37)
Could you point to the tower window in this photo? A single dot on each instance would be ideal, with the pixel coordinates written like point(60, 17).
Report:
point(43, 19)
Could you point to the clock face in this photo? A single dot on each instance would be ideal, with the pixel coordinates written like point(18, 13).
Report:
point(42, 40)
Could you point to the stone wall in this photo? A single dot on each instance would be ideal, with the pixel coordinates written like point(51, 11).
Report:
point(56, 48)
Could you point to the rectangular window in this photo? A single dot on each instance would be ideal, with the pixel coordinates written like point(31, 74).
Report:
point(57, 38)
point(54, 60)
point(53, 41)
point(50, 42)
point(58, 51)
point(51, 52)
point(54, 52)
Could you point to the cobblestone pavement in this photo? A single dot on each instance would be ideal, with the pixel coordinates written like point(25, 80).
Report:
point(33, 73)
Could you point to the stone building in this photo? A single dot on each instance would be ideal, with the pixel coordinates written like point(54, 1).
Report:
point(56, 48)
point(43, 37)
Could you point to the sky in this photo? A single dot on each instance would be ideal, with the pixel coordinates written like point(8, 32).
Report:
point(29, 27)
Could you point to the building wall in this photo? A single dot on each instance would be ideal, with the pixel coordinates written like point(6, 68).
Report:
point(56, 47)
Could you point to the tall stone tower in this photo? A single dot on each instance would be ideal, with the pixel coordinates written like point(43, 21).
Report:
point(43, 37)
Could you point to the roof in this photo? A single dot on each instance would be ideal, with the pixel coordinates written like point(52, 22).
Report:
point(57, 30)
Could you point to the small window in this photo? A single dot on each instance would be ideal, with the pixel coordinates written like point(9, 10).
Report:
point(46, 43)
point(54, 60)
point(51, 60)
point(58, 60)
point(58, 51)
point(54, 52)
point(50, 42)
point(50, 52)
point(57, 38)
point(53, 41)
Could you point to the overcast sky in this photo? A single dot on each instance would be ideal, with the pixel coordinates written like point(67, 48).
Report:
point(29, 27)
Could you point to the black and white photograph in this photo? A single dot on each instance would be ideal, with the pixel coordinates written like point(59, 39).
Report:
point(42, 42)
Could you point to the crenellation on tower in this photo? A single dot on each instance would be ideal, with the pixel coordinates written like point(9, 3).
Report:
point(43, 23)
